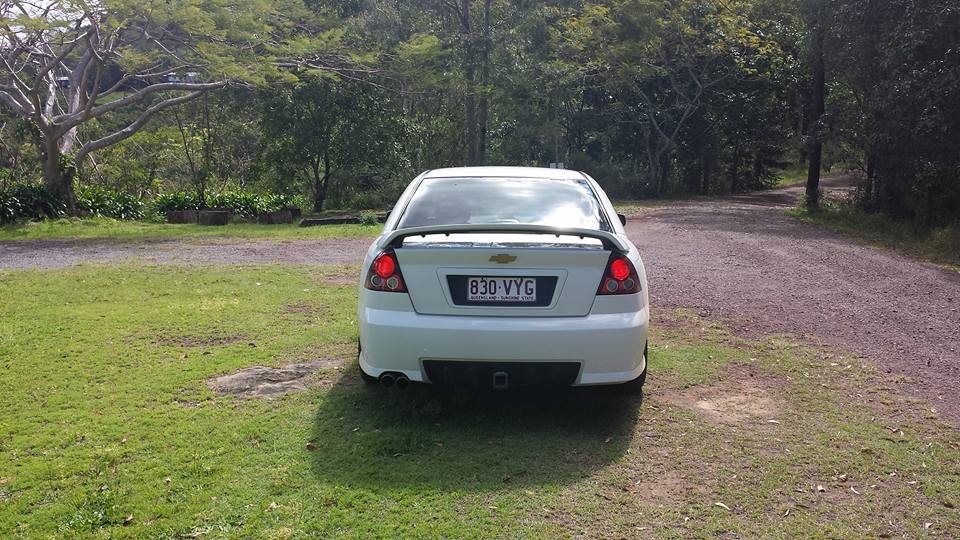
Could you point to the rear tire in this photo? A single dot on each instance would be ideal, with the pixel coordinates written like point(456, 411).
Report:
point(370, 380)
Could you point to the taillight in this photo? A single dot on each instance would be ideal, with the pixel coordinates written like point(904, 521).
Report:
point(384, 274)
point(620, 277)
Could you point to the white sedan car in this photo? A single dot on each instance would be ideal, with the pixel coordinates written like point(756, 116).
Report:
point(503, 277)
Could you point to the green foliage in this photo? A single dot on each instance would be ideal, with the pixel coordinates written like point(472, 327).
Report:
point(28, 201)
point(349, 100)
point(938, 244)
point(176, 201)
point(98, 201)
point(249, 205)
point(368, 217)
point(901, 65)
point(328, 137)
point(241, 203)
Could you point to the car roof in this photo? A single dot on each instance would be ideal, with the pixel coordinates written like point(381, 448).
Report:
point(505, 172)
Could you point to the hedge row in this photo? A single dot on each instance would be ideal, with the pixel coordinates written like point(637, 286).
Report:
point(240, 203)
point(32, 202)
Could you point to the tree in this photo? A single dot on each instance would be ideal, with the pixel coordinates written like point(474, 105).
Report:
point(817, 22)
point(317, 128)
point(67, 64)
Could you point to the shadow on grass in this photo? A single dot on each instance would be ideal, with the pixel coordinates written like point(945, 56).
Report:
point(468, 439)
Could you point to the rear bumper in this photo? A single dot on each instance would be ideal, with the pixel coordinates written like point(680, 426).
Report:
point(607, 346)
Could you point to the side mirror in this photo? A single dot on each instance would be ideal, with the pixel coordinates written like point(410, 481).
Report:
point(623, 219)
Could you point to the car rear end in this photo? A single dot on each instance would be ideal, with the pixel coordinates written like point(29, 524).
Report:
point(504, 299)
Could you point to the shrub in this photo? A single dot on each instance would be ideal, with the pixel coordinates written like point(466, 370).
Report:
point(176, 201)
point(240, 203)
point(368, 217)
point(28, 201)
point(97, 201)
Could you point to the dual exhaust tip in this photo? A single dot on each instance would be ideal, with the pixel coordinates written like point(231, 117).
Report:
point(390, 379)
point(397, 379)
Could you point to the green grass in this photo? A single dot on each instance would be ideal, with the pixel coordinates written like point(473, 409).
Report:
point(108, 430)
point(137, 230)
point(638, 206)
point(792, 176)
point(939, 245)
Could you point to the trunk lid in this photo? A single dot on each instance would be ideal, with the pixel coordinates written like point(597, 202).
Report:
point(562, 271)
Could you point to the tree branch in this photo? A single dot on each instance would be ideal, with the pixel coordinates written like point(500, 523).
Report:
point(69, 121)
point(11, 101)
point(136, 124)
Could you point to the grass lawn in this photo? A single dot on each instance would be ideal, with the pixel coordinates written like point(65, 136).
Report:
point(138, 230)
point(792, 176)
point(940, 245)
point(108, 429)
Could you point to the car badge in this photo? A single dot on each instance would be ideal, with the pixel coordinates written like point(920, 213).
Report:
point(503, 258)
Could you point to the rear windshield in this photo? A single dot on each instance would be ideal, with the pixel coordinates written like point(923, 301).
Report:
point(484, 201)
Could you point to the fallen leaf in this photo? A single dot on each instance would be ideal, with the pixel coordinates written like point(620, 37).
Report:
point(721, 505)
point(854, 490)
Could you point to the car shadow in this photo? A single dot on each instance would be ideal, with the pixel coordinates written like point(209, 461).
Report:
point(462, 439)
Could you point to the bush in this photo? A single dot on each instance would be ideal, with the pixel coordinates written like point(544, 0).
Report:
point(97, 201)
point(176, 201)
point(368, 217)
point(240, 203)
point(249, 205)
point(28, 201)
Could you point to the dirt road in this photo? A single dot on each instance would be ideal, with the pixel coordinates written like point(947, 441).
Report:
point(738, 259)
point(63, 253)
point(743, 259)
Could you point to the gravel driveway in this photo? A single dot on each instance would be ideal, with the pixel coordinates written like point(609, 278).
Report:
point(62, 253)
point(739, 258)
point(743, 259)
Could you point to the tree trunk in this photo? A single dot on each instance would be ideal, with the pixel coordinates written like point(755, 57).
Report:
point(706, 169)
point(816, 145)
point(485, 84)
point(735, 170)
point(59, 182)
point(320, 182)
point(469, 72)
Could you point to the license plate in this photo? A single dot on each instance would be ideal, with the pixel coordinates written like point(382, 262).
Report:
point(501, 289)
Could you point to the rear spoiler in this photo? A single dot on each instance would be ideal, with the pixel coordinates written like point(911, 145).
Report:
point(610, 241)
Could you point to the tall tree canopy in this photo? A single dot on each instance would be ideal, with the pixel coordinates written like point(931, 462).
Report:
point(338, 99)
